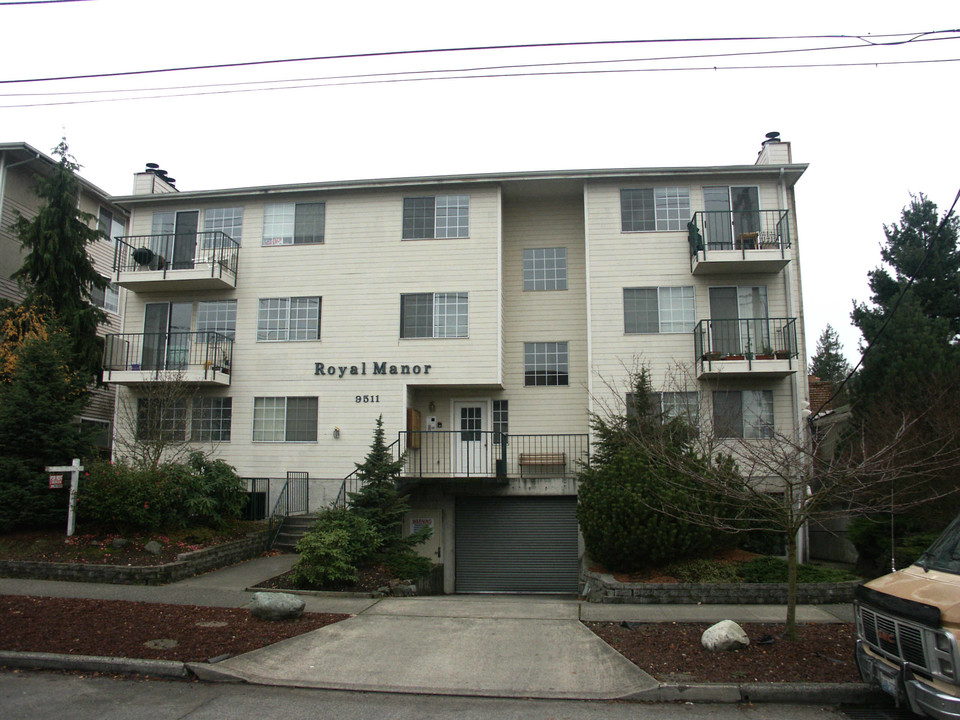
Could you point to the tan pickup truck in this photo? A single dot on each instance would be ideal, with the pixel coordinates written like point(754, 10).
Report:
point(908, 629)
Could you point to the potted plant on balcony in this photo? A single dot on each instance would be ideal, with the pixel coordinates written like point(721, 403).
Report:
point(766, 353)
point(712, 355)
point(783, 354)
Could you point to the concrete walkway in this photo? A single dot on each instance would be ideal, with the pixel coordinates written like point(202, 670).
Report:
point(487, 645)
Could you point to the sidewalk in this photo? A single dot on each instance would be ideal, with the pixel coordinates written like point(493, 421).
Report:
point(487, 645)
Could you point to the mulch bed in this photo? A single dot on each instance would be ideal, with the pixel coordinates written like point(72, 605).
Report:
point(114, 628)
point(369, 579)
point(672, 652)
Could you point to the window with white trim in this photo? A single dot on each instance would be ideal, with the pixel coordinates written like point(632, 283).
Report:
point(219, 316)
point(210, 419)
point(162, 420)
point(680, 405)
point(293, 318)
point(545, 268)
point(285, 419)
point(658, 310)
point(441, 216)
point(501, 418)
point(293, 223)
point(545, 363)
point(108, 298)
point(110, 225)
point(434, 315)
point(743, 413)
point(226, 220)
point(654, 209)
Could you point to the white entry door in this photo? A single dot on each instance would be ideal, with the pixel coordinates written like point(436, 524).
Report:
point(470, 442)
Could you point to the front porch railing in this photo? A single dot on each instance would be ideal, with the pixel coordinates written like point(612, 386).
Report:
point(208, 351)
point(743, 230)
point(170, 251)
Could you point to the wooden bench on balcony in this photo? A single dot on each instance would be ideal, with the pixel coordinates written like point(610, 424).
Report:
point(545, 460)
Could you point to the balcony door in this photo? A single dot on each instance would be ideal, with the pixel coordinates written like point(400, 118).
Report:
point(166, 336)
point(733, 217)
point(738, 319)
point(470, 442)
point(175, 238)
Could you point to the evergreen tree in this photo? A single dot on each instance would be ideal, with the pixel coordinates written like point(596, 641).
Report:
point(57, 273)
point(828, 363)
point(918, 347)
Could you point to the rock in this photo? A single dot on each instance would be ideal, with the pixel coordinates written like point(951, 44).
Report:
point(383, 590)
point(404, 590)
point(276, 606)
point(153, 547)
point(119, 543)
point(725, 635)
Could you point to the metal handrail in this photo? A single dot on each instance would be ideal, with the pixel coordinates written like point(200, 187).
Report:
point(283, 500)
point(354, 481)
point(171, 351)
point(142, 253)
point(743, 230)
point(746, 339)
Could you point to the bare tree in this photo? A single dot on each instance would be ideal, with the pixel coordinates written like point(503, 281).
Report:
point(767, 479)
point(153, 421)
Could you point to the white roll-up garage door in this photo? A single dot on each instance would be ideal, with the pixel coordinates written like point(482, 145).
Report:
point(516, 544)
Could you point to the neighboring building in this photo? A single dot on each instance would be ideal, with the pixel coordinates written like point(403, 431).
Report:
point(20, 165)
point(485, 317)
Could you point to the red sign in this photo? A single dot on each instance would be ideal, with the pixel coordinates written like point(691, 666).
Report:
point(56, 481)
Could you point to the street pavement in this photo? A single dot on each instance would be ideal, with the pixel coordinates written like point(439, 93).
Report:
point(484, 645)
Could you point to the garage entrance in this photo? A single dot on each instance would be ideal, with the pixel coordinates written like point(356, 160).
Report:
point(516, 544)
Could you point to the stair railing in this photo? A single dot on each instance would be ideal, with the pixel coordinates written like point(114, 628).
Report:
point(295, 493)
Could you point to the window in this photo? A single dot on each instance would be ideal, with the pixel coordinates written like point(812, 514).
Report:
point(651, 209)
point(658, 310)
point(433, 315)
point(211, 419)
point(443, 216)
point(545, 363)
point(500, 419)
point(110, 226)
point(682, 405)
point(162, 420)
point(545, 269)
point(285, 419)
point(225, 220)
point(743, 413)
point(108, 298)
point(219, 316)
point(293, 223)
point(296, 318)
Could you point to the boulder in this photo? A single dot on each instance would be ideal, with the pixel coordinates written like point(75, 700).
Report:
point(725, 635)
point(153, 547)
point(119, 543)
point(276, 606)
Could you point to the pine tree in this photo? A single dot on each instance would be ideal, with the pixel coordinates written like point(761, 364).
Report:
point(379, 499)
point(828, 363)
point(57, 273)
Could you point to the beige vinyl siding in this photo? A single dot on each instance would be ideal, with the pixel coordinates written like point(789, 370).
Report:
point(545, 315)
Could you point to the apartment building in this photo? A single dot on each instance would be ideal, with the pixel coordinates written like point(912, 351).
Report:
point(485, 317)
point(20, 167)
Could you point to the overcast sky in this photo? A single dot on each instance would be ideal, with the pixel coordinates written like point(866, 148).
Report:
point(871, 134)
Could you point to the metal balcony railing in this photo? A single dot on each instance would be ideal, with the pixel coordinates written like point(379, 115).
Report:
point(171, 252)
point(210, 352)
point(484, 453)
point(746, 339)
point(743, 230)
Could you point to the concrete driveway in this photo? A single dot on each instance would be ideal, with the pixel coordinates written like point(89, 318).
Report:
point(452, 645)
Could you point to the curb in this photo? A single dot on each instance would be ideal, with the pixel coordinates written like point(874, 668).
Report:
point(774, 692)
point(798, 693)
point(93, 663)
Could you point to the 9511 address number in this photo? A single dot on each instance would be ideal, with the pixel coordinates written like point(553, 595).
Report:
point(367, 398)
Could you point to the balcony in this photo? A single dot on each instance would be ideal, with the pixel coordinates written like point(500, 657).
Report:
point(747, 347)
point(738, 241)
point(202, 358)
point(194, 261)
point(441, 455)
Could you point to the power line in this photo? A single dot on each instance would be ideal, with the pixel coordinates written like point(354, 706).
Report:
point(475, 69)
point(896, 305)
point(382, 81)
point(913, 37)
point(39, 2)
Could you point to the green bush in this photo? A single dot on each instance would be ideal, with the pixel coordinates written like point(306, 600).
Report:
point(330, 553)
point(871, 537)
point(621, 530)
point(774, 570)
point(407, 564)
point(703, 571)
point(172, 495)
point(26, 500)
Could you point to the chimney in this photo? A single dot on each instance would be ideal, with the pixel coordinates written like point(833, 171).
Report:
point(153, 181)
point(774, 151)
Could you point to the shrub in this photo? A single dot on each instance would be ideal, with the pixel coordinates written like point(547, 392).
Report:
point(216, 493)
point(703, 571)
point(871, 537)
point(774, 570)
point(330, 553)
point(408, 565)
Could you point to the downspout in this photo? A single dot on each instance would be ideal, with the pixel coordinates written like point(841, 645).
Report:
point(803, 545)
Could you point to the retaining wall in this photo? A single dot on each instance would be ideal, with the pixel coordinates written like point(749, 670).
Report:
point(186, 565)
point(603, 588)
